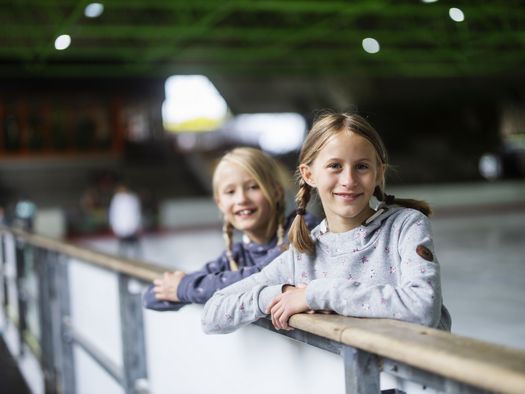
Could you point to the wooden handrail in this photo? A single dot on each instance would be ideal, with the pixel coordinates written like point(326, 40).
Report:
point(481, 364)
point(135, 268)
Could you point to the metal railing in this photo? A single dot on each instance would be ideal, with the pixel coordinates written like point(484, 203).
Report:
point(367, 347)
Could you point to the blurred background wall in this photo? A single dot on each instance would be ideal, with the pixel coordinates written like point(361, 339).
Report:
point(83, 85)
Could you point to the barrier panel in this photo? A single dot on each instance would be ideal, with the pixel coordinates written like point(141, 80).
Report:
point(79, 312)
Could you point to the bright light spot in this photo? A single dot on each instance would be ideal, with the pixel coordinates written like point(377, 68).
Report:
point(274, 133)
point(490, 166)
point(429, 1)
point(192, 104)
point(62, 42)
point(371, 45)
point(456, 15)
point(94, 10)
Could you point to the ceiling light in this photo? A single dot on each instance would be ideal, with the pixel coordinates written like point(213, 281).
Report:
point(429, 1)
point(371, 45)
point(94, 10)
point(192, 103)
point(456, 15)
point(62, 42)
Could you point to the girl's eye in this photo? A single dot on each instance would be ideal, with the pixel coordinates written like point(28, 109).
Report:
point(228, 191)
point(362, 166)
point(334, 166)
point(255, 186)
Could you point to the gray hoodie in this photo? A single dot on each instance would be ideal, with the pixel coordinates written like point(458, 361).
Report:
point(386, 268)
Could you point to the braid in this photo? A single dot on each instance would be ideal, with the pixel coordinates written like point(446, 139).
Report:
point(299, 235)
point(421, 206)
point(378, 193)
point(280, 234)
point(227, 232)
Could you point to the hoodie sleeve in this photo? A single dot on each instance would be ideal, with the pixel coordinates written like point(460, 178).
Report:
point(245, 302)
point(415, 294)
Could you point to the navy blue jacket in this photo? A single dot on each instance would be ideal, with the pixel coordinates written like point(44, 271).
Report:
point(199, 286)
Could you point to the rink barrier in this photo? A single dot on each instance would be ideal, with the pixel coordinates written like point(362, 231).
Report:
point(433, 358)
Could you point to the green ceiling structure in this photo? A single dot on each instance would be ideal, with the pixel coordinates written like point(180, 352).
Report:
point(258, 38)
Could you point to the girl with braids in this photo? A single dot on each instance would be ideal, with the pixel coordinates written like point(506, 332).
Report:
point(359, 261)
point(247, 190)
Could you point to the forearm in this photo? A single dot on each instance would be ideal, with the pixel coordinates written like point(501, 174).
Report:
point(416, 302)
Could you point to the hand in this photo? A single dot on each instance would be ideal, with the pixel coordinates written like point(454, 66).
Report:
point(286, 304)
point(166, 287)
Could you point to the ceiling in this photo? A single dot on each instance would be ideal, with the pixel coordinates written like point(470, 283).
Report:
point(259, 38)
point(273, 55)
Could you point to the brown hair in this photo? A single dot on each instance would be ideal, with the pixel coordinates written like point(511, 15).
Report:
point(324, 128)
point(265, 171)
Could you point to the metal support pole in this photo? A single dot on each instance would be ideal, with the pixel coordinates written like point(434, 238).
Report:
point(361, 371)
point(46, 298)
point(3, 265)
point(22, 294)
point(133, 341)
point(62, 312)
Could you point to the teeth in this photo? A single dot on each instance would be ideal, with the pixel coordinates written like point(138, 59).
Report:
point(245, 212)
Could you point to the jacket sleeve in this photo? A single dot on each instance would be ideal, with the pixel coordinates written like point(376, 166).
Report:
point(245, 302)
point(191, 289)
point(414, 297)
point(198, 287)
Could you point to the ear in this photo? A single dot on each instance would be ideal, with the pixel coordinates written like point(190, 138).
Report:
point(380, 178)
point(279, 192)
point(306, 174)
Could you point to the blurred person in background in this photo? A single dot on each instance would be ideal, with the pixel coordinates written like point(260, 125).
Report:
point(25, 212)
point(125, 219)
point(249, 193)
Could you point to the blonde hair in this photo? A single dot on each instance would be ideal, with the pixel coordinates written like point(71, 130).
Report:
point(265, 171)
point(324, 128)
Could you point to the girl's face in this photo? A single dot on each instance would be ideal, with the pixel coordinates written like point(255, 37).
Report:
point(345, 173)
point(241, 200)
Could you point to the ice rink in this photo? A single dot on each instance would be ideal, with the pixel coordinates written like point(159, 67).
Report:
point(480, 248)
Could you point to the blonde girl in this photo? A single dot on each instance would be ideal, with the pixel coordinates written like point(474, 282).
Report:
point(359, 261)
point(248, 192)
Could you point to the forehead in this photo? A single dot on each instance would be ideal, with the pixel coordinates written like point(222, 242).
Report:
point(346, 145)
point(230, 173)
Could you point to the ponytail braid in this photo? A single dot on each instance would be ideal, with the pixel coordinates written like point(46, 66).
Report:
point(227, 233)
point(280, 223)
point(389, 199)
point(299, 235)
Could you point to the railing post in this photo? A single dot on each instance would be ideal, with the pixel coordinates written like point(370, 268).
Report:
point(46, 299)
point(22, 293)
point(62, 312)
point(133, 341)
point(5, 298)
point(361, 371)
point(56, 359)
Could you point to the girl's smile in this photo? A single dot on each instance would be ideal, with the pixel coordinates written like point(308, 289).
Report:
point(350, 197)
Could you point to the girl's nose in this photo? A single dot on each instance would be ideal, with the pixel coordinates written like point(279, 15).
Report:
point(348, 178)
point(240, 196)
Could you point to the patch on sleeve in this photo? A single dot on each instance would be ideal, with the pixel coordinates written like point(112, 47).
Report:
point(425, 253)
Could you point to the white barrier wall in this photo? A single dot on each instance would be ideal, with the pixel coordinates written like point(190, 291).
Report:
point(181, 359)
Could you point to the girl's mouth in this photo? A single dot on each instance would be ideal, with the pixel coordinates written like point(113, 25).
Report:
point(348, 196)
point(245, 212)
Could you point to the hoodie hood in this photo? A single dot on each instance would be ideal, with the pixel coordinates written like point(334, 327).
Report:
point(358, 238)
